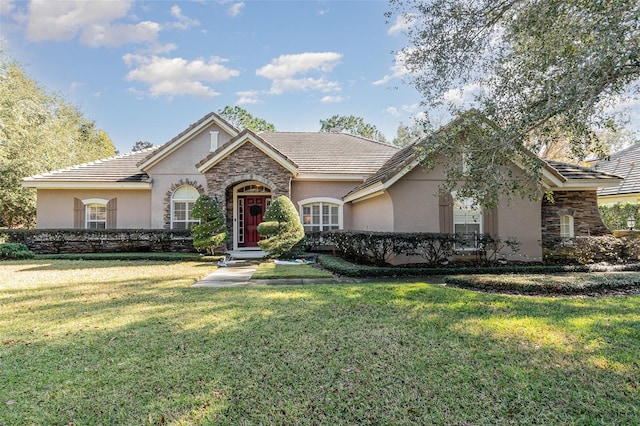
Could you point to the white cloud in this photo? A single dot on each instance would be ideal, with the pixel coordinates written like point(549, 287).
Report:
point(93, 21)
point(461, 96)
point(116, 35)
point(178, 76)
point(6, 6)
point(332, 99)
point(403, 22)
point(235, 9)
point(248, 97)
point(184, 22)
point(398, 70)
point(284, 69)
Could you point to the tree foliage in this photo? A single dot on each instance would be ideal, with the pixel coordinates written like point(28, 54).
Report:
point(545, 67)
point(353, 125)
point(242, 119)
point(39, 132)
point(281, 228)
point(212, 231)
point(406, 135)
point(140, 145)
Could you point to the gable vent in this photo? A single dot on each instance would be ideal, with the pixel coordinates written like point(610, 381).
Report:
point(214, 140)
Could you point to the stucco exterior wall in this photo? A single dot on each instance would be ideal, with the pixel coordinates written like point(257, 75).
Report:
point(415, 202)
point(55, 207)
point(520, 220)
point(373, 214)
point(179, 166)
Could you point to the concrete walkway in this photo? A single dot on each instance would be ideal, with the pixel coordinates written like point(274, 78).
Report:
point(236, 273)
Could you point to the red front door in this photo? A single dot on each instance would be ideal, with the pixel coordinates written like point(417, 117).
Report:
point(254, 208)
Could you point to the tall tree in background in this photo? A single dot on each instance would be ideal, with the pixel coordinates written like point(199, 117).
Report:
point(140, 145)
point(242, 119)
point(39, 132)
point(406, 135)
point(353, 125)
point(545, 67)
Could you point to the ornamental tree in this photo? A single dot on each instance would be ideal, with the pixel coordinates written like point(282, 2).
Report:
point(281, 229)
point(212, 231)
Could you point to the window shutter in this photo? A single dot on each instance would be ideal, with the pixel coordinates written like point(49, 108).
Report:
point(490, 222)
point(446, 213)
point(78, 213)
point(112, 208)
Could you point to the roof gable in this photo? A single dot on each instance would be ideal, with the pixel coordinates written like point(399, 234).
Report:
point(246, 136)
point(169, 147)
point(554, 174)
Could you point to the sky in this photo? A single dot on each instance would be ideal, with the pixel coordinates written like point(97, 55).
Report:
point(146, 70)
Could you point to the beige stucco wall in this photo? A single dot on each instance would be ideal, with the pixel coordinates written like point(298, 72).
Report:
point(373, 214)
point(609, 200)
point(55, 207)
point(415, 202)
point(304, 190)
point(521, 219)
point(178, 166)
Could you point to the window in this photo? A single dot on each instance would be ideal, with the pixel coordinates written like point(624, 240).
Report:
point(96, 216)
point(467, 222)
point(182, 203)
point(321, 214)
point(566, 226)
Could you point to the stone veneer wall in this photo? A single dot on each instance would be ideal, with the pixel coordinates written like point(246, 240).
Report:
point(54, 241)
point(582, 205)
point(247, 163)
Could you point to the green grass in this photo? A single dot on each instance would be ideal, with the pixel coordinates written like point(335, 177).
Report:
point(117, 343)
point(267, 271)
point(174, 257)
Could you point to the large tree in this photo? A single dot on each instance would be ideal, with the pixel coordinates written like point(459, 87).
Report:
point(540, 69)
point(352, 125)
point(242, 119)
point(39, 131)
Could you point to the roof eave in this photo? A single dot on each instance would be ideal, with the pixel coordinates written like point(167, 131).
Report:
point(84, 185)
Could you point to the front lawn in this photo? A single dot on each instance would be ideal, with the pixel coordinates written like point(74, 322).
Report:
point(270, 270)
point(88, 342)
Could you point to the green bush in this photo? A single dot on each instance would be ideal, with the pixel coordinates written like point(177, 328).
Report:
point(282, 230)
point(15, 251)
point(212, 232)
point(568, 284)
point(615, 216)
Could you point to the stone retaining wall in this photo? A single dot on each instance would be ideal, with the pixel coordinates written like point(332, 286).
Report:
point(54, 241)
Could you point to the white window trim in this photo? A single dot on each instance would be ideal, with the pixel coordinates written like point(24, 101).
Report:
point(328, 200)
point(95, 201)
point(571, 226)
point(173, 200)
point(87, 218)
point(480, 221)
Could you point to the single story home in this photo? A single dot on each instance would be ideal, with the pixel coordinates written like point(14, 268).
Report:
point(336, 181)
point(625, 163)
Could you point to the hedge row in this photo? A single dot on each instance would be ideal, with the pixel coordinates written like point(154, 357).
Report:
point(348, 269)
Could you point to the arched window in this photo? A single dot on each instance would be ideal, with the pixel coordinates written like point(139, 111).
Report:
point(320, 214)
point(182, 202)
point(467, 222)
point(566, 226)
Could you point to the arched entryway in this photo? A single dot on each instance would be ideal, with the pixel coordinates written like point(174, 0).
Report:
point(251, 199)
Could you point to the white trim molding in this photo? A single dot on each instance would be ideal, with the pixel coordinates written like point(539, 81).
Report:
point(327, 200)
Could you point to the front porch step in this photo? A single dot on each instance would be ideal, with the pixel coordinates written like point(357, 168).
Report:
point(246, 254)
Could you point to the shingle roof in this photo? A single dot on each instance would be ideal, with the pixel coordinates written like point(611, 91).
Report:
point(121, 168)
point(626, 164)
point(334, 153)
point(574, 171)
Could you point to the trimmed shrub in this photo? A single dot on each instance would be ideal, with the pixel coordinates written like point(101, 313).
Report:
point(282, 230)
point(615, 216)
point(212, 232)
point(15, 251)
